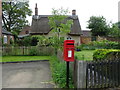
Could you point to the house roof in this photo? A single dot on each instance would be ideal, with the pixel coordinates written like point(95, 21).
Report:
point(6, 32)
point(86, 33)
point(23, 31)
point(22, 36)
point(40, 25)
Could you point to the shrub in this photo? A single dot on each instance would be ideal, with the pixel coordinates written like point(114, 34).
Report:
point(105, 44)
point(33, 51)
point(108, 54)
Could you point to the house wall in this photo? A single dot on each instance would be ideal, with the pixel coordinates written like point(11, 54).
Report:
point(99, 38)
point(76, 38)
point(25, 29)
point(85, 40)
point(8, 38)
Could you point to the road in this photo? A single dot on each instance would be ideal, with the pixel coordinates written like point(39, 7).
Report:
point(27, 75)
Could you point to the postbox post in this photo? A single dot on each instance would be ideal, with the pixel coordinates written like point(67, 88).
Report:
point(68, 57)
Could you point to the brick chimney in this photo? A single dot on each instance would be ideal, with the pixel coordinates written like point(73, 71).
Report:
point(74, 12)
point(36, 10)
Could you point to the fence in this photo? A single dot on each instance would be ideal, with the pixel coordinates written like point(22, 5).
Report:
point(101, 74)
point(32, 50)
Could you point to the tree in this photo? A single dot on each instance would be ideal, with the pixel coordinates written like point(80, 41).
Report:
point(59, 24)
point(98, 26)
point(114, 31)
point(14, 15)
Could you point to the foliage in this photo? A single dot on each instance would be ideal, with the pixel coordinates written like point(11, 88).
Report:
point(98, 26)
point(105, 44)
point(86, 55)
point(28, 41)
point(14, 15)
point(59, 24)
point(102, 54)
point(59, 73)
point(42, 40)
point(34, 52)
point(114, 31)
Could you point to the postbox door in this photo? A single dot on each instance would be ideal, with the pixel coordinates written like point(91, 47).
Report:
point(70, 54)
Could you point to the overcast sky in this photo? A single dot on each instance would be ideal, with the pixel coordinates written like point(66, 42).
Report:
point(84, 9)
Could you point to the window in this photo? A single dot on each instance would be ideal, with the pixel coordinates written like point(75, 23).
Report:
point(5, 39)
point(27, 32)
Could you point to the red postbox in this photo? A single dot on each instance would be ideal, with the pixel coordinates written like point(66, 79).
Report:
point(69, 50)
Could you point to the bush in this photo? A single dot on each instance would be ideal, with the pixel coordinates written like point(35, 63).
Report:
point(33, 51)
point(108, 54)
point(41, 51)
point(28, 41)
point(105, 44)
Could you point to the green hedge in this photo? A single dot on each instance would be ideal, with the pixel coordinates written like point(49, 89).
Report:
point(105, 44)
point(106, 54)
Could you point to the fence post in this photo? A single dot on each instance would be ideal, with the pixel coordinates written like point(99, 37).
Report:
point(80, 74)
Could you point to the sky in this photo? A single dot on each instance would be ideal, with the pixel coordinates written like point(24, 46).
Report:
point(84, 9)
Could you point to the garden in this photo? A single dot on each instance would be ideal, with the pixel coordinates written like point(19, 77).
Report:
point(34, 48)
point(88, 52)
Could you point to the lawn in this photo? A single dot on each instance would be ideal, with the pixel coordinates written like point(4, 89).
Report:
point(23, 58)
point(86, 55)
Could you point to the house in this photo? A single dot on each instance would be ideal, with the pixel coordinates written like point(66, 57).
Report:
point(40, 26)
point(86, 36)
point(25, 32)
point(7, 36)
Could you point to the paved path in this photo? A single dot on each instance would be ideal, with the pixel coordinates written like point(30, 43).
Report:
point(27, 75)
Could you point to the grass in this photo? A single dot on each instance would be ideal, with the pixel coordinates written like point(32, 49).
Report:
point(23, 58)
point(86, 55)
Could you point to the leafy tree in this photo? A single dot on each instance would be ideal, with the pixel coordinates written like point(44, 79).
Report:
point(14, 15)
point(98, 26)
point(114, 31)
point(59, 24)
point(118, 23)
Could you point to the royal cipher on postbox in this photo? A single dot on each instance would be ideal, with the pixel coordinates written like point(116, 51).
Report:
point(69, 50)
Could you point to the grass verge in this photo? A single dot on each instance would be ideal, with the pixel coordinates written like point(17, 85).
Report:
point(59, 73)
point(23, 58)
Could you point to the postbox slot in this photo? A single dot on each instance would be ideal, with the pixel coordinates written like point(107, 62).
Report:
point(70, 44)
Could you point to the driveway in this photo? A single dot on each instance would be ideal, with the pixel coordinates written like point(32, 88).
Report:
point(27, 75)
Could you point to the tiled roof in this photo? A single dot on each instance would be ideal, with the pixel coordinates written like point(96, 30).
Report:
point(86, 33)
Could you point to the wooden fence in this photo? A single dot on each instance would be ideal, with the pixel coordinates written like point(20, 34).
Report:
point(99, 74)
point(32, 50)
point(103, 74)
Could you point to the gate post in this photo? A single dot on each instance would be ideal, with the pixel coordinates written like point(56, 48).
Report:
point(80, 74)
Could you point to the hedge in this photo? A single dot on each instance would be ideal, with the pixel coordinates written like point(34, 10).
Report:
point(106, 54)
point(105, 44)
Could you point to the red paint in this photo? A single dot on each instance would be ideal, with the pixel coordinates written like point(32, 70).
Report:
point(69, 50)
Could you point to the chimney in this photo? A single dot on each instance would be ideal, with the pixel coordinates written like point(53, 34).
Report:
point(36, 10)
point(74, 12)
